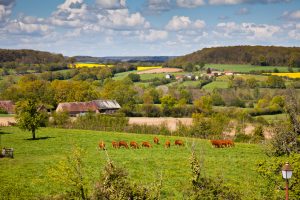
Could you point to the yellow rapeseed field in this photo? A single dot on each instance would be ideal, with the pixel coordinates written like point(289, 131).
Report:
point(290, 75)
point(88, 65)
point(142, 68)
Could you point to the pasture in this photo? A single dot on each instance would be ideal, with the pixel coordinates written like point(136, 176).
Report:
point(244, 68)
point(27, 174)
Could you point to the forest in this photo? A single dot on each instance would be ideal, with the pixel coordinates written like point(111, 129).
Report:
point(254, 55)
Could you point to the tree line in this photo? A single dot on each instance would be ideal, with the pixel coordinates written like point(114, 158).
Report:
point(254, 55)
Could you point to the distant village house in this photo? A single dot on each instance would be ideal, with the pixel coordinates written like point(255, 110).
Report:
point(97, 106)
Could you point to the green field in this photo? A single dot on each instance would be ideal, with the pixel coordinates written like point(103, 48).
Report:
point(244, 68)
point(27, 172)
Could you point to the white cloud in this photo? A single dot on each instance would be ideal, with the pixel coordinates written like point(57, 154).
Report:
point(111, 4)
point(182, 22)
point(122, 19)
point(6, 7)
point(190, 3)
point(293, 15)
point(153, 35)
point(233, 2)
point(71, 13)
point(158, 5)
point(247, 30)
point(22, 27)
point(294, 34)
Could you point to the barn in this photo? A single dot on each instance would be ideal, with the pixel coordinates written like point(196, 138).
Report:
point(7, 106)
point(97, 106)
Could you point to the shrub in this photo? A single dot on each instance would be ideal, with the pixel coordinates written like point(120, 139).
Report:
point(284, 141)
point(204, 187)
point(134, 77)
point(150, 110)
point(2, 111)
point(59, 119)
point(270, 170)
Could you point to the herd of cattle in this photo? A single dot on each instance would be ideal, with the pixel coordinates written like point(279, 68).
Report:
point(135, 145)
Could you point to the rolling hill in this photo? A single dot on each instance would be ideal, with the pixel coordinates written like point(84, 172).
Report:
point(254, 55)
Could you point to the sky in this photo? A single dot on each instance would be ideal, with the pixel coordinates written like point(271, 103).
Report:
point(146, 27)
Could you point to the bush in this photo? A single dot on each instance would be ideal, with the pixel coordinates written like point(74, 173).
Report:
point(284, 141)
point(150, 110)
point(134, 77)
point(59, 119)
point(115, 184)
point(2, 111)
point(207, 188)
point(270, 170)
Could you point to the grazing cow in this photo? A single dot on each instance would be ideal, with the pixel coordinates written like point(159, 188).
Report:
point(101, 145)
point(146, 144)
point(134, 145)
point(123, 144)
point(179, 142)
point(115, 144)
point(156, 140)
point(167, 144)
point(222, 143)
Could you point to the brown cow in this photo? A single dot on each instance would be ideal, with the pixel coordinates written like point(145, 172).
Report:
point(179, 142)
point(123, 144)
point(115, 144)
point(156, 140)
point(146, 144)
point(134, 145)
point(167, 144)
point(101, 145)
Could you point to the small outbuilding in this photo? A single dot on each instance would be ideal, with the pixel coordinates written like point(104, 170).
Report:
point(7, 106)
point(97, 106)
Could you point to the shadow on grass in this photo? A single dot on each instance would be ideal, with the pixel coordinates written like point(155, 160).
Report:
point(4, 133)
point(39, 138)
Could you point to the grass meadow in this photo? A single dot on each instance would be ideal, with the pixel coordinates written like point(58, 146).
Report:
point(244, 68)
point(27, 173)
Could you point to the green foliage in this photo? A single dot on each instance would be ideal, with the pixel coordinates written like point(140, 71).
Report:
point(270, 170)
point(284, 141)
point(151, 110)
point(120, 90)
point(207, 188)
point(134, 77)
point(29, 117)
point(115, 184)
point(168, 101)
point(71, 174)
point(209, 127)
point(217, 99)
point(275, 82)
point(93, 121)
point(255, 55)
point(59, 119)
point(2, 111)
point(204, 104)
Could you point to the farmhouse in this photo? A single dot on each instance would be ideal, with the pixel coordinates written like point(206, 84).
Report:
point(7, 106)
point(97, 106)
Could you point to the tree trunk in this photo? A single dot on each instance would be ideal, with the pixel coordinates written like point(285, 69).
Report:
point(33, 134)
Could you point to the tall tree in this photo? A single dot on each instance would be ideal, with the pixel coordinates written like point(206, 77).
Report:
point(29, 116)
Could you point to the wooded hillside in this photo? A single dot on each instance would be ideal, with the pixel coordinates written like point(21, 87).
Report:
point(26, 56)
point(255, 55)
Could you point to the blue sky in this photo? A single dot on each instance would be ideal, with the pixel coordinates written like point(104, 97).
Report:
point(146, 27)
